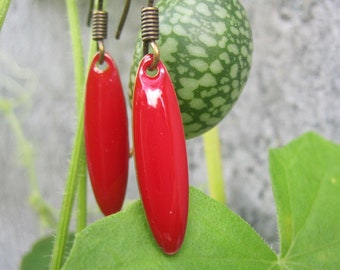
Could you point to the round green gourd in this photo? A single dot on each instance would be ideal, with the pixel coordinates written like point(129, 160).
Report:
point(206, 46)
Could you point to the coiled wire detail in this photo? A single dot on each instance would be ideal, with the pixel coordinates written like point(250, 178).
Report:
point(150, 33)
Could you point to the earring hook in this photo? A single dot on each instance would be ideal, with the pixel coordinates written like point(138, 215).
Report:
point(123, 18)
point(150, 3)
point(150, 32)
point(99, 19)
point(90, 14)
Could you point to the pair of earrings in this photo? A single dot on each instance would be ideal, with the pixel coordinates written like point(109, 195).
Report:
point(158, 135)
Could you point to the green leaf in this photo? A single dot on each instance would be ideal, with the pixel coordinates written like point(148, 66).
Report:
point(306, 185)
point(40, 256)
point(216, 238)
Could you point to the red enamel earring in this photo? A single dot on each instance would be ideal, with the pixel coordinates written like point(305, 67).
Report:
point(106, 128)
point(159, 144)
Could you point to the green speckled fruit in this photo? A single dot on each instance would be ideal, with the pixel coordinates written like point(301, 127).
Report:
point(207, 47)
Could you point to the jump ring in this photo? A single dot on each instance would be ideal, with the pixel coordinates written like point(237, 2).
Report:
point(101, 50)
point(156, 56)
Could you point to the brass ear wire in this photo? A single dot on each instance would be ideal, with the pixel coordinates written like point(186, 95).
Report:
point(150, 32)
point(99, 27)
point(89, 15)
point(150, 3)
point(123, 18)
point(150, 28)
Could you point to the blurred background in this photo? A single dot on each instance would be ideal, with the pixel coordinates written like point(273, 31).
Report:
point(294, 87)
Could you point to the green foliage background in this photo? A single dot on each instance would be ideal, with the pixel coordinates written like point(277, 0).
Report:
point(306, 185)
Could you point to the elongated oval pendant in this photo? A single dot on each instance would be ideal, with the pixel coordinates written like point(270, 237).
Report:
point(160, 155)
point(106, 135)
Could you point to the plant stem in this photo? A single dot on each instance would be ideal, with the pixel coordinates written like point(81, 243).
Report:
point(4, 5)
point(78, 60)
point(214, 165)
point(77, 169)
point(82, 187)
point(82, 192)
point(77, 48)
point(70, 190)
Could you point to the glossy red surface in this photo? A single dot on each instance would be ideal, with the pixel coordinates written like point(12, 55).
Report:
point(160, 156)
point(106, 135)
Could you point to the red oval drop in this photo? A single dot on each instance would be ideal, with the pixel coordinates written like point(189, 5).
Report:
point(106, 135)
point(160, 155)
